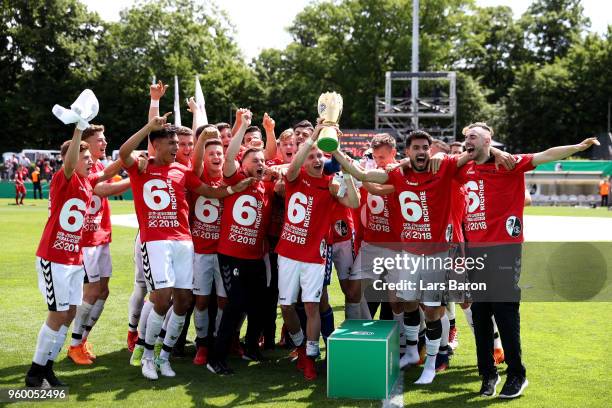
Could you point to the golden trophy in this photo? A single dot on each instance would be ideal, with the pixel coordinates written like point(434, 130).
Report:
point(330, 109)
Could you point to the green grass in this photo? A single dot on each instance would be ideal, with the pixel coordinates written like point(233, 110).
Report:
point(569, 211)
point(564, 347)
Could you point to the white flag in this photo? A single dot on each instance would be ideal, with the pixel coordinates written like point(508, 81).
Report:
point(199, 98)
point(177, 104)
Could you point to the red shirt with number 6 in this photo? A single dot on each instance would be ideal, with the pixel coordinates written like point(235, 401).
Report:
point(68, 203)
point(245, 219)
point(160, 201)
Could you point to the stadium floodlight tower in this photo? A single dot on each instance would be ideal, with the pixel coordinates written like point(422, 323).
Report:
point(430, 103)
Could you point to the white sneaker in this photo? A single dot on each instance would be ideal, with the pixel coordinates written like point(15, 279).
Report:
point(164, 367)
point(148, 369)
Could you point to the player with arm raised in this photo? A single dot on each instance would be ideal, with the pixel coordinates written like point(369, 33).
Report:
point(162, 212)
point(59, 260)
point(302, 247)
point(241, 250)
point(494, 227)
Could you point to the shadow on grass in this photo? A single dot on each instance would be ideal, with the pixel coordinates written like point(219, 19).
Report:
point(276, 382)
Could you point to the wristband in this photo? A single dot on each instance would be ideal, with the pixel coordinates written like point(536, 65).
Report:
point(154, 103)
point(230, 190)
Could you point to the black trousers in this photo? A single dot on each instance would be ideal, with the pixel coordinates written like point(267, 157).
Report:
point(245, 284)
point(38, 188)
point(508, 319)
point(604, 200)
point(501, 273)
point(271, 302)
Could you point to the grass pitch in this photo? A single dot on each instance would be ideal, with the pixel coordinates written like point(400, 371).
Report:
point(564, 345)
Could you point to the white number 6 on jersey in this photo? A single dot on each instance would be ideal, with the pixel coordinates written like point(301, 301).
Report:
point(72, 220)
point(296, 211)
point(156, 199)
point(244, 211)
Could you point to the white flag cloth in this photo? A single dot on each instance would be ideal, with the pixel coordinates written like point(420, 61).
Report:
point(177, 104)
point(83, 110)
point(199, 98)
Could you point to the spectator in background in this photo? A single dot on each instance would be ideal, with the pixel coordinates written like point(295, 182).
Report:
point(115, 179)
point(36, 182)
point(20, 190)
point(604, 191)
point(47, 171)
point(558, 167)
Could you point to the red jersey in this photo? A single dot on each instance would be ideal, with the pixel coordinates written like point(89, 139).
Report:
point(206, 218)
point(160, 201)
point(97, 225)
point(245, 219)
point(307, 218)
point(68, 202)
point(19, 179)
point(496, 201)
point(342, 226)
point(423, 205)
point(459, 203)
point(377, 216)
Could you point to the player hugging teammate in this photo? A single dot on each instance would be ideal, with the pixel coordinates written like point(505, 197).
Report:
point(256, 227)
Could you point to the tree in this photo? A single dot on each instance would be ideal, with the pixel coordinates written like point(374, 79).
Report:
point(552, 26)
point(48, 54)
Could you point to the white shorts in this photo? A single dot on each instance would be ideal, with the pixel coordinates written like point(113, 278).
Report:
point(168, 264)
point(426, 279)
point(295, 275)
point(61, 285)
point(205, 271)
point(343, 258)
point(364, 267)
point(97, 262)
point(139, 279)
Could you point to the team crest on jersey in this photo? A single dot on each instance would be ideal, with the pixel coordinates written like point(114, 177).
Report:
point(341, 228)
point(449, 232)
point(236, 272)
point(323, 248)
point(513, 226)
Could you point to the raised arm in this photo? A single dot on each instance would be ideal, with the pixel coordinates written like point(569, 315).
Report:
point(109, 189)
point(156, 91)
point(373, 176)
point(378, 189)
point(268, 125)
point(197, 121)
point(294, 168)
point(209, 132)
point(126, 149)
point(238, 121)
point(229, 166)
point(110, 171)
point(561, 152)
point(72, 155)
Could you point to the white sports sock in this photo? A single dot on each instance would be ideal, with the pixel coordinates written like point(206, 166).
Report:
point(352, 311)
point(365, 310)
point(297, 338)
point(200, 321)
point(218, 320)
point(59, 342)
point(135, 306)
point(450, 310)
point(468, 317)
point(496, 339)
point(445, 330)
point(312, 348)
point(154, 324)
point(144, 315)
point(399, 318)
point(429, 369)
point(82, 314)
point(164, 328)
point(44, 344)
point(94, 315)
point(173, 332)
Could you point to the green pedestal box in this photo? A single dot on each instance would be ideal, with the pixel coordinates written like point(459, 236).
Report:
point(363, 359)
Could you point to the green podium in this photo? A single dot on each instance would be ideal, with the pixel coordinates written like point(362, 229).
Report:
point(363, 359)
